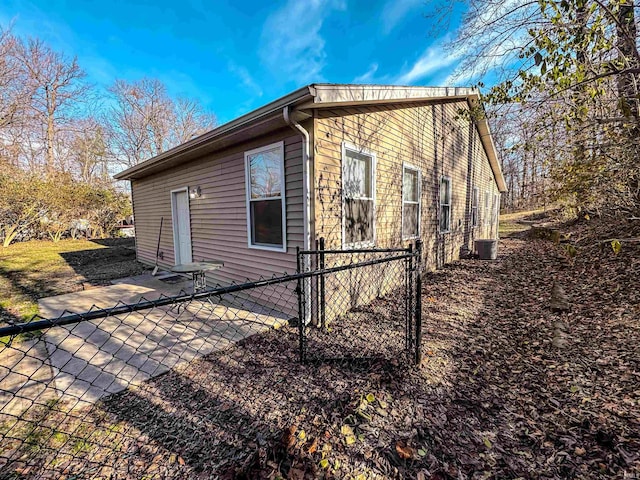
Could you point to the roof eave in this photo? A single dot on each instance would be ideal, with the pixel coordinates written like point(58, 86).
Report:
point(337, 95)
point(487, 142)
point(332, 95)
point(317, 96)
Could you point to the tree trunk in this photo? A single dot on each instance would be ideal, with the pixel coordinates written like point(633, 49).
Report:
point(51, 133)
point(524, 173)
point(627, 35)
point(629, 89)
point(579, 151)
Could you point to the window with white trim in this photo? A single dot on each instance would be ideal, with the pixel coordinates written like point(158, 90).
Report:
point(475, 200)
point(266, 216)
point(410, 202)
point(486, 214)
point(358, 187)
point(445, 204)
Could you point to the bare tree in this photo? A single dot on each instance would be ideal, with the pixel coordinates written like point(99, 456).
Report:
point(89, 153)
point(14, 101)
point(60, 143)
point(55, 86)
point(130, 120)
point(146, 121)
point(191, 120)
point(13, 92)
point(571, 70)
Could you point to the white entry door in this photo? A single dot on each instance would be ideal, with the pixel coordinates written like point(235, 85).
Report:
point(181, 226)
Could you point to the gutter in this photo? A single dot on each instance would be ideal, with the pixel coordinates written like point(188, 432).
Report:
point(245, 120)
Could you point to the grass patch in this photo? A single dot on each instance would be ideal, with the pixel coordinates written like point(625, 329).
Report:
point(511, 223)
point(37, 269)
point(81, 445)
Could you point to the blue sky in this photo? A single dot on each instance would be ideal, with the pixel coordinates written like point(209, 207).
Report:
point(236, 56)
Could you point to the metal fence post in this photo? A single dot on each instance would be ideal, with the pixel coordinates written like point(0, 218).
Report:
point(322, 286)
point(418, 314)
point(301, 315)
point(316, 286)
point(408, 300)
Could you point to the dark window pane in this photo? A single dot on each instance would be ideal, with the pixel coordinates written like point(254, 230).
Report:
point(410, 220)
point(444, 218)
point(266, 222)
point(358, 220)
point(444, 191)
point(486, 208)
point(475, 199)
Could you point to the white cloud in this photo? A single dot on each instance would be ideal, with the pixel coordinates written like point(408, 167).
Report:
point(432, 61)
point(292, 44)
point(465, 76)
point(367, 77)
point(491, 60)
point(247, 80)
point(395, 10)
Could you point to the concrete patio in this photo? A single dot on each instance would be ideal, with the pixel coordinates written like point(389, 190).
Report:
point(81, 363)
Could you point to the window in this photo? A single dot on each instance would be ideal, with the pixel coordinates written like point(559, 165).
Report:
point(486, 214)
point(496, 208)
point(445, 204)
point(410, 202)
point(358, 189)
point(266, 219)
point(475, 199)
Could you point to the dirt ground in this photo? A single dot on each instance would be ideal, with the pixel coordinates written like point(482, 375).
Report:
point(507, 389)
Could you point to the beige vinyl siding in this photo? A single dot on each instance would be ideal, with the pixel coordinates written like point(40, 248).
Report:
point(219, 216)
point(431, 137)
point(436, 139)
point(484, 179)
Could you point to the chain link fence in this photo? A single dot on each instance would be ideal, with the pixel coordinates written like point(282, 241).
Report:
point(361, 304)
point(192, 386)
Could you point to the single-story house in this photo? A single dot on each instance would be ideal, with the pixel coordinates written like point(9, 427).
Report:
point(360, 165)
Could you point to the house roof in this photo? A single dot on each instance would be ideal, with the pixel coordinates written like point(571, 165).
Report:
point(315, 96)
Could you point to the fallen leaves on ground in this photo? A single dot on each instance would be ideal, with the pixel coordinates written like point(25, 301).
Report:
point(493, 398)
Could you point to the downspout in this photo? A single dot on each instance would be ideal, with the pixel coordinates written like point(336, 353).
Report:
point(468, 221)
point(306, 211)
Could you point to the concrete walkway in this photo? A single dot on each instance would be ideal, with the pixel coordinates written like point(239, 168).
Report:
point(81, 363)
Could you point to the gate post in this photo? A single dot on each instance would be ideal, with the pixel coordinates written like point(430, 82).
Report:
point(301, 315)
point(408, 299)
point(315, 287)
point(322, 291)
point(418, 313)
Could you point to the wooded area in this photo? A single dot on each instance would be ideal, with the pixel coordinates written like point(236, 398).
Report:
point(565, 110)
point(564, 106)
point(62, 138)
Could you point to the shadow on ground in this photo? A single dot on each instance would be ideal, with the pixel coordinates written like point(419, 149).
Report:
point(100, 266)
